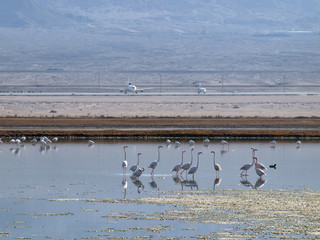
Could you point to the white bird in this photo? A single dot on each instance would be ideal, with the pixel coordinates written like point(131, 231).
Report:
point(1, 141)
point(177, 168)
point(206, 140)
point(135, 167)
point(138, 172)
point(55, 139)
point(125, 162)
point(254, 151)
point(260, 165)
point(168, 141)
point(177, 144)
point(23, 138)
point(193, 170)
point(154, 164)
point(34, 140)
point(224, 142)
point(298, 144)
point(12, 141)
point(217, 167)
point(186, 166)
point(90, 142)
point(259, 172)
point(273, 143)
point(191, 142)
point(246, 167)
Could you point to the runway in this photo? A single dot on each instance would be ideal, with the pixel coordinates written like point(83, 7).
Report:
point(163, 94)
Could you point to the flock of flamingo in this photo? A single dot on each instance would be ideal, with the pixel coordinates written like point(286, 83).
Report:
point(188, 169)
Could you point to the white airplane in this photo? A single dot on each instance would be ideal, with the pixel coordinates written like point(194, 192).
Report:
point(201, 89)
point(131, 88)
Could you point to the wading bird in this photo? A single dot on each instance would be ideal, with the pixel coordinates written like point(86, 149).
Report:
point(246, 167)
point(154, 164)
point(217, 167)
point(193, 170)
point(138, 172)
point(177, 168)
point(124, 163)
point(135, 167)
point(259, 172)
point(186, 166)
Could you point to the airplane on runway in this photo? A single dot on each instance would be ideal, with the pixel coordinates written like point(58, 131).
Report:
point(131, 88)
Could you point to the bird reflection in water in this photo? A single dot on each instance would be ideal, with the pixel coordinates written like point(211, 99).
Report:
point(189, 183)
point(137, 183)
point(244, 181)
point(216, 182)
point(176, 179)
point(124, 187)
point(259, 183)
point(153, 184)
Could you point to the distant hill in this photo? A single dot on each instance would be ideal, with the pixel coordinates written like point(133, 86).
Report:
point(227, 14)
point(28, 13)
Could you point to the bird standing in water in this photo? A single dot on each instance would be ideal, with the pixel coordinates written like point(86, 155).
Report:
point(154, 164)
point(193, 170)
point(125, 162)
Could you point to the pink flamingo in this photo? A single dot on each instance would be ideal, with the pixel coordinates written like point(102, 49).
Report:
point(185, 167)
point(217, 167)
point(177, 168)
point(154, 164)
point(193, 170)
point(125, 163)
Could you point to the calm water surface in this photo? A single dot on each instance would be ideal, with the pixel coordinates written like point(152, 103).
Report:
point(31, 176)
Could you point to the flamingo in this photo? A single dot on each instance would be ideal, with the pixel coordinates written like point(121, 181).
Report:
point(260, 165)
point(217, 167)
point(259, 172)
point(138, 172)
point(186, 166)
point(176, 168)
point(246, 167)
point(224, 142)
point(191, 142)
point(135, 167)
point(254, 151)
point(154, 164)
point(125, 163)
point(193, 170)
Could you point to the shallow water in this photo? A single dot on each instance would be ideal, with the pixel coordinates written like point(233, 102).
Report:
point(33, 178)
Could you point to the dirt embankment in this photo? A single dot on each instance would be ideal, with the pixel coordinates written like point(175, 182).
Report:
point(162, 127)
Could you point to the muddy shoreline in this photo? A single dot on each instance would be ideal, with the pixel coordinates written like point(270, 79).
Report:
point(238, 127)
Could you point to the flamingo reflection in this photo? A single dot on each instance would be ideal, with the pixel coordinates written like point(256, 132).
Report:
point(124, 187)
point(259, 183)
point(189, 183)
point(245, 182)
point(216, 182)
point(153, 184)
point(137, 183)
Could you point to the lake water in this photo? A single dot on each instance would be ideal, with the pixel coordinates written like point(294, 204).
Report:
point(31, 176)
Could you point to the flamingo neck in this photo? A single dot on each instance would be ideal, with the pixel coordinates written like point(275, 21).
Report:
point(198, 160)
point(158, 154)
point(191, 158)
point(182, 159)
